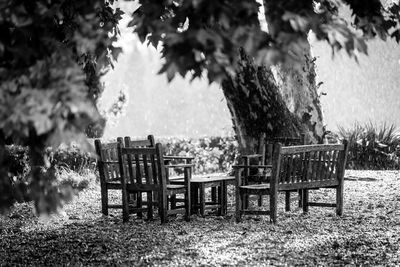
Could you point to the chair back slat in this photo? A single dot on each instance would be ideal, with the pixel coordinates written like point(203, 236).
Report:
point(268, 145)
point(107, 163)
point(149, 142)
point(144, 164)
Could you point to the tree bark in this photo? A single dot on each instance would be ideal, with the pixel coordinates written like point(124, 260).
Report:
point(276, 102)
point(257, 106)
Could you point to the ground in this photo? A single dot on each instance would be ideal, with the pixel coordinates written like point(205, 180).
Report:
point(367, 234)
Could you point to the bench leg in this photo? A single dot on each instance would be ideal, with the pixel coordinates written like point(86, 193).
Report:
point(287, 201)
point(194, 194)
point(339, 200)
point(150, 205)
point(305, 200)
point(300, 198)
point(220, 199)
point(224, 198)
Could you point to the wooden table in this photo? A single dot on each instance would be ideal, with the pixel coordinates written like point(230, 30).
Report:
point(218, 185)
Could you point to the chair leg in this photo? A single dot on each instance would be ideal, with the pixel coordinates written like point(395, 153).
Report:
point(339, 200)
point(173, 202)
point(287, 201)
point(246, 201)
point(202, 199)
point(239, 205)
point(125, 206)
point(150, 205)
point(163, 207)
point(104, 200)
point(139, 202)
point(188, 204)
point(305, 200)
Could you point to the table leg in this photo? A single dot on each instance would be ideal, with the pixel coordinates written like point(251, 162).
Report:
point(214, 195)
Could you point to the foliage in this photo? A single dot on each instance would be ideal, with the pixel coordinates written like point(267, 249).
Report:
point(372, 147)
point(206, 35)
point(211, 155)
point(52, 54)
point(77, 181)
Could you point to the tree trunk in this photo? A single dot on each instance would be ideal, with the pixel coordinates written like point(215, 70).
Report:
point(278, 102)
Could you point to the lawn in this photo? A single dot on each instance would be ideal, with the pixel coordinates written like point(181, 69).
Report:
point(367, 234)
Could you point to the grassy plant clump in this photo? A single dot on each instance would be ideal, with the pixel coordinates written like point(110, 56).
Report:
point(372, 147)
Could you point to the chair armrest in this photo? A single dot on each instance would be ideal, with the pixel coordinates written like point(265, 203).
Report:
point(177, 157)
point(252, 156)
point(252, 166)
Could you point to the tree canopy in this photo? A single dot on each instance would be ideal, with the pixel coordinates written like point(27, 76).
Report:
point(52, 54)
point(205, 35)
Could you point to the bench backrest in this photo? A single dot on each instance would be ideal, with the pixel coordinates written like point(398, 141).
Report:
point(310, 166)
point(144, 167)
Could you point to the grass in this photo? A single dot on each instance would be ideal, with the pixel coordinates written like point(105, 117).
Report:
point(367, 234)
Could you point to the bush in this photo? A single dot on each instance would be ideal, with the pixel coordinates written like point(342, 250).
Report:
point(77, 181)
point(372, 147)
point(214, 154)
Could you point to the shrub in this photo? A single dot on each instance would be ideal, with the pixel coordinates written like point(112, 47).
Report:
point(372, 147)
point(77, 181)
point(214, 154)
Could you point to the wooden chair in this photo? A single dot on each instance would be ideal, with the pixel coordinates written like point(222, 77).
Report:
point(145, 170)
point(108, 167)
point(296, 168)
point(264, 157)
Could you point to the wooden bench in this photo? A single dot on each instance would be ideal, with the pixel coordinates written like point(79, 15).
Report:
point(264, 157)
point(296, 168)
